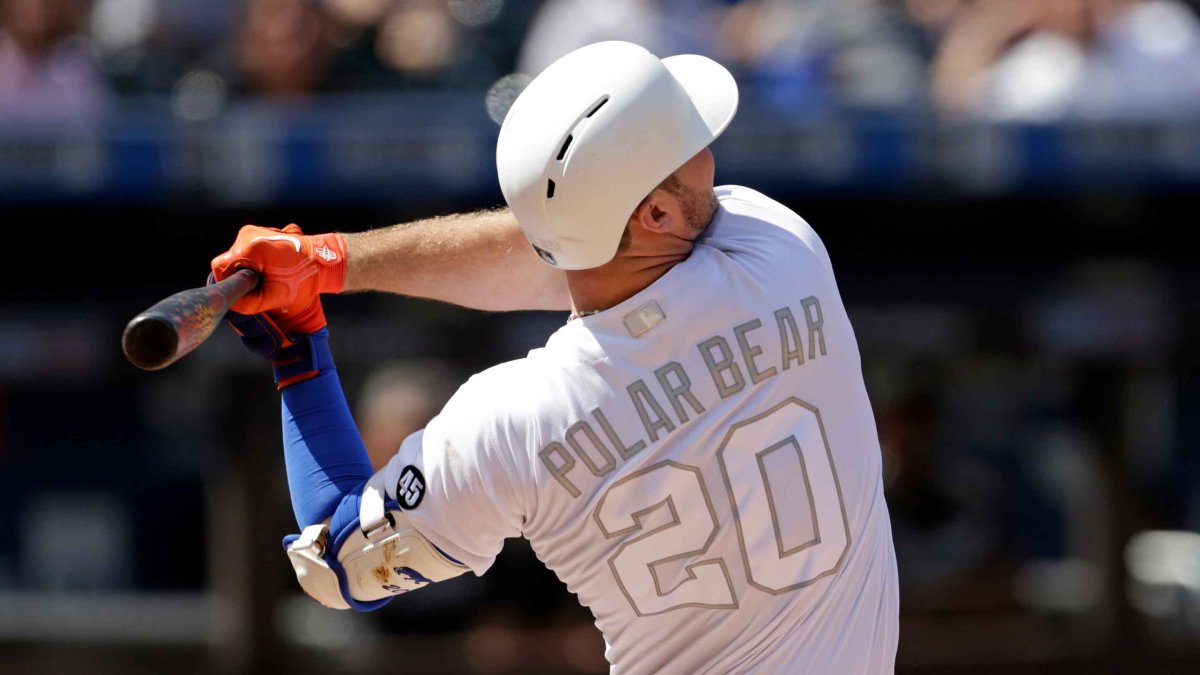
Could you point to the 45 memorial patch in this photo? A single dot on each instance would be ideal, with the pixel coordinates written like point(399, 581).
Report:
point(410, 488)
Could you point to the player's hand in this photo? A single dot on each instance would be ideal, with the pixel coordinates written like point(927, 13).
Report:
point(268, 334)
point(282, 339)
point(294, 269)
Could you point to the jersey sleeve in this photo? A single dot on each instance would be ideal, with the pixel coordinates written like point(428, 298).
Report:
point(458, 481)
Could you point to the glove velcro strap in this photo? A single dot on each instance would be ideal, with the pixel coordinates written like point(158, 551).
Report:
point(259, 333)
point(303, 360)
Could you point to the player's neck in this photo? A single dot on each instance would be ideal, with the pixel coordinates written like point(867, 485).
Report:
point(606, 286)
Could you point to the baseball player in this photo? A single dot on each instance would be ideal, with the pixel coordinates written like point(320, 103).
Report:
point(693, 453)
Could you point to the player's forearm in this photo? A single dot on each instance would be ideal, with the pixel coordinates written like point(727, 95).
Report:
point(323, 452)
point(479, 260)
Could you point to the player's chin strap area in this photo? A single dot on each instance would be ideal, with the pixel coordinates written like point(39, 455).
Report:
point(367, 565)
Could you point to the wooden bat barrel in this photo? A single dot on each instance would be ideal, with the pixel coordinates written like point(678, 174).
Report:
point(163, 334)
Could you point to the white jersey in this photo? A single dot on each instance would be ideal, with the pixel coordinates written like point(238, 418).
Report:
point(699, 464)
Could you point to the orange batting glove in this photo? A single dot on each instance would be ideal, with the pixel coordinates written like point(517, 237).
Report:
point(295, 269)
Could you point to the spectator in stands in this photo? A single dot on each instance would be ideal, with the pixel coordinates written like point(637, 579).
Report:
point(928, 19)
point(284, 47)
point(1045, 59)
point(432, 44)
point(802, 56)
point(665, 28)
point(813, 54)
point(419, 39)
point(293, 48)
point(47, 76)
point(144, 46)
point(401, 398)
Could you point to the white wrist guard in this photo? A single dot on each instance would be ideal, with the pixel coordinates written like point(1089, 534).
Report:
point(382, 556)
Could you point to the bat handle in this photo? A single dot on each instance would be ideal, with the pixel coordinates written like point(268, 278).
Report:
point(163, 334)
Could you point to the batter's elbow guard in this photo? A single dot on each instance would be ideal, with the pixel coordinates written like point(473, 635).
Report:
point(364, 566)
point(318, 578)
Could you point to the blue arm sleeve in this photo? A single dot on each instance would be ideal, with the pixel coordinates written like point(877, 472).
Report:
point(325, 456)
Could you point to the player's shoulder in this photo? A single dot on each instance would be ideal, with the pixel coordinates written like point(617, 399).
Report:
point(487, 420)
point(500, 399)
point(490, 392)
point(753, 205)
point(740, 194)
point(748, 214)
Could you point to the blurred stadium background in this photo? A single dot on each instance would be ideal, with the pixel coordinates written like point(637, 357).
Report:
point(1005, 187)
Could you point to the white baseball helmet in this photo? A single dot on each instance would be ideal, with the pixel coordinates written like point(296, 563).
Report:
point(594, 133)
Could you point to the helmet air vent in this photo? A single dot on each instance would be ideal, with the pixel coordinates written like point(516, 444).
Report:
point(566, 144)
point(599, 105)
point(549, 188)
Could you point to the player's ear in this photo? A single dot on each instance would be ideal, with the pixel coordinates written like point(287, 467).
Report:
point(658, 212)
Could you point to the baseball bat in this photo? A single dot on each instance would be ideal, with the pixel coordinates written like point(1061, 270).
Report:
point(163, 334)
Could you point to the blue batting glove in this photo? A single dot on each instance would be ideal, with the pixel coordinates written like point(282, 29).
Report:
point(295, 358)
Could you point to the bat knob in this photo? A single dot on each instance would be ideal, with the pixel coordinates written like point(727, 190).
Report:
point(150, 342)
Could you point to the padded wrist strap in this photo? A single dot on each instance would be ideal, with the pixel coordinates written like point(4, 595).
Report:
point(303, 360)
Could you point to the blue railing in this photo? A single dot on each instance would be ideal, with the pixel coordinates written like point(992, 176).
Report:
point(393, 148)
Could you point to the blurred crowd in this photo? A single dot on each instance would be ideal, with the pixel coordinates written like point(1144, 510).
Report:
point(69, 61)
point(1029, 428)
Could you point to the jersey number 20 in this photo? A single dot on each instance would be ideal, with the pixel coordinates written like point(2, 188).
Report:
point(787, 506)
